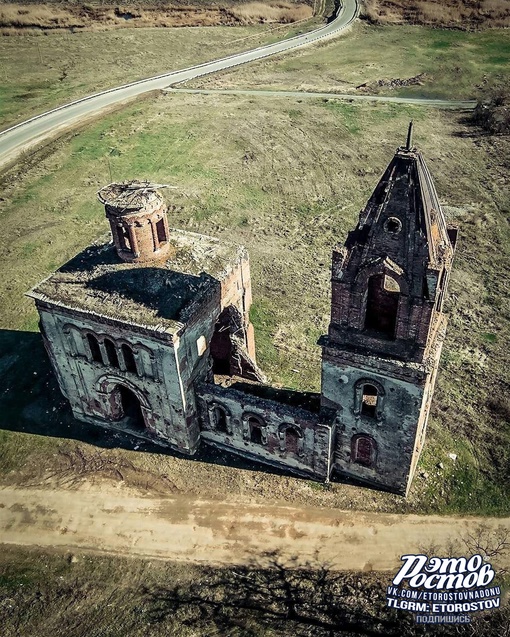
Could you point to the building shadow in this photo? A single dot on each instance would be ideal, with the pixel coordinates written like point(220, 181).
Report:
point(31, 403)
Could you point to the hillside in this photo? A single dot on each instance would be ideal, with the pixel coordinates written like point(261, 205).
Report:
point(457, 14)
point(77, 16)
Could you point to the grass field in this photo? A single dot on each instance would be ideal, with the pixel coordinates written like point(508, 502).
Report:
point(286, 178)
point(42, 70)
point(455, 65)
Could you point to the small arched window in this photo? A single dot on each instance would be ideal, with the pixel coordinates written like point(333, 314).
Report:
point(369, 397)
point(255, 429)
point(161, 232)
point(220, 419)
point(95, 350)
point(363, 450)
point(129, 358)
point(291, 439)
point(369, 401)
point(124, 238)
point(111, 352)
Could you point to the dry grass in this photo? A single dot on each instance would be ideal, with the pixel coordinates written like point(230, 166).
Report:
point(460, 14)
point(261, 12)
point(15, 18)
point(49, 594)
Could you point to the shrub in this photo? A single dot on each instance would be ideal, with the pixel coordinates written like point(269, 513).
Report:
point(492, 112)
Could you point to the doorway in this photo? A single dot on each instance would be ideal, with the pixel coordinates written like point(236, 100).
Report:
point(131, 410)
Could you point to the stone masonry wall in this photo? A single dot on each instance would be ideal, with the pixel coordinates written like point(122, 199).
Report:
point(305, 449)
point(392, 427)
point(90, 385)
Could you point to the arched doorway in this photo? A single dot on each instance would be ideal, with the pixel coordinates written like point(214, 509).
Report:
point(130, 410)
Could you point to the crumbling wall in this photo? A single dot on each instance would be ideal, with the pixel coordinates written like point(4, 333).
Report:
point(290, 437)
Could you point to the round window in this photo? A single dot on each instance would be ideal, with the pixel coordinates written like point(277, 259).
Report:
point(393, 225)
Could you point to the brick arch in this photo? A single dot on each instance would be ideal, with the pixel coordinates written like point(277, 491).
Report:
point(362, 291)
point(248, 429)
point(296, 430)
point(364, 450)
point(212, 408)
point(288, 425)
point(381, 266)
point(106, 384)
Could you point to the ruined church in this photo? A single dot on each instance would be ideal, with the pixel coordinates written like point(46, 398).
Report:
point(150, 332)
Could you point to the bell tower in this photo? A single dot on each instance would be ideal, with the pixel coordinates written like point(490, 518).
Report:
point(381, 354)
point(138, 220)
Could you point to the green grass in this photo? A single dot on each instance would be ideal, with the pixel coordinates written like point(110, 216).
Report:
point(265, 323)
point(246, 173)
point(456, 64)
point(459, 485)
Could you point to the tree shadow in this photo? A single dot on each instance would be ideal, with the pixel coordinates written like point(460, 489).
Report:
point(273, 596)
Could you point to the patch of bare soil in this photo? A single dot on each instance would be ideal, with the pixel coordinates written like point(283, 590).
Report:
point(458, 14)
point(19, 17)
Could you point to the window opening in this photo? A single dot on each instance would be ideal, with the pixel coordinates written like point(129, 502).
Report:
point(161, 231)
point(95, 350)
point(255, 431)
point(124, 239)
point(129, 358)
point(111, 352)
point(220, 418)
point(382, 305)
point(369, 401)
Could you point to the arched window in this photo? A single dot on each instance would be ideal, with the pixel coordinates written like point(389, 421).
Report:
point(369, 401)
point(95, 350)
point(161, 232)
point(363, 450)
point(382, 305)
point(129, 358)
point(291, 439)
point(369, 396)
point(111, 352)
point(220, 419)
point(124, 238)
point(255, 429)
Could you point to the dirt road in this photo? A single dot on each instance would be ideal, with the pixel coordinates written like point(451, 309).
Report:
point(115, 520)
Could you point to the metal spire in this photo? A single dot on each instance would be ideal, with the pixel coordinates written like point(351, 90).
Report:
point(410, 136)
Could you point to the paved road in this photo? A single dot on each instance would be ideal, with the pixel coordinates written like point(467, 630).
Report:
point(25, 134)
point(453, 104)
point(113, 519)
